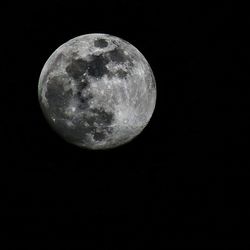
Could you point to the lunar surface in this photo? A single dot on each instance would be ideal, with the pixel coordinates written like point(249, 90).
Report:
point(97, 91)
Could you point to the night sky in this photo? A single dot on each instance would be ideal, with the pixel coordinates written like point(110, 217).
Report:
point(183, 182)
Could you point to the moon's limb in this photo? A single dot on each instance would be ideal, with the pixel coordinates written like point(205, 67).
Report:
point(97, 91)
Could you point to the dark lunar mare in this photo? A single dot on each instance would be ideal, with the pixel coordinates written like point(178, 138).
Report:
point(96, 65)
point(77, 68)
point(100, 43)
point(121, 73)
point(59, 99)
point(117, 55)
point(56, 101)
point(100, 119)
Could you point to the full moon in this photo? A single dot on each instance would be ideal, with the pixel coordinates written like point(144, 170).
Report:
point(97, 91)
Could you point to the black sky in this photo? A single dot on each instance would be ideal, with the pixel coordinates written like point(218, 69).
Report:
point(184, 181)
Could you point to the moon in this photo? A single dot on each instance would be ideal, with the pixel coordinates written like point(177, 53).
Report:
point(97, 91)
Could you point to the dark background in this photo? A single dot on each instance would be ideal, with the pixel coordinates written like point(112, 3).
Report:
point(183, 182)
